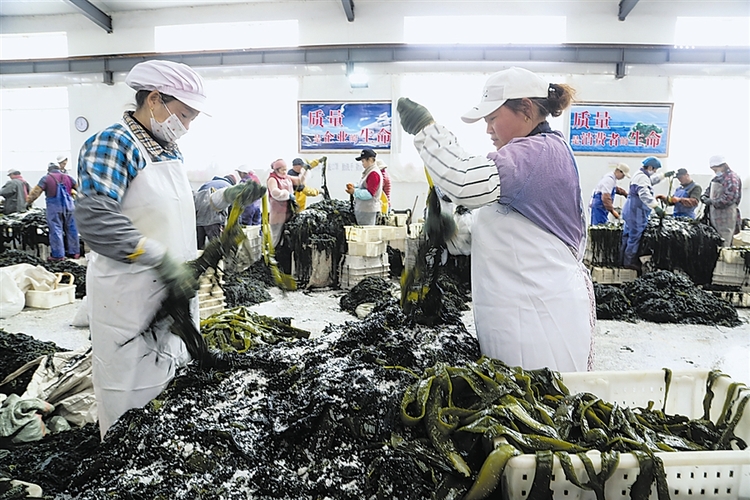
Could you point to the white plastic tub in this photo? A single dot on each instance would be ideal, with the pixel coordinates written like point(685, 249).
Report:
point(695, 474)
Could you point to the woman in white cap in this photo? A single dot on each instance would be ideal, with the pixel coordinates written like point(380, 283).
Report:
point(602, 201)
point(135, 210)
point(723, 198)
point(533, 298)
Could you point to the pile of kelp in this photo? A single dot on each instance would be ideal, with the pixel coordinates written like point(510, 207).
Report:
point(17, 349)
point(24, 230)
point(604, 242)
point(239, 329)
point(464, 408)
point(664, 297)
point(371, 409)
point(248, 287)
point(684, 244)
point(371, 290)
point(319, 227)
point(13, 257)
point(297, 419)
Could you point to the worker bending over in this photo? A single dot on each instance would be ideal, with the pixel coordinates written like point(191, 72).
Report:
point(602, 201)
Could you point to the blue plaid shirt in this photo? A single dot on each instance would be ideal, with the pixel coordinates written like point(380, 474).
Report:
point(110, 160)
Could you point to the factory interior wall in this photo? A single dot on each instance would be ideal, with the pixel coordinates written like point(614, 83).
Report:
point(255, 116)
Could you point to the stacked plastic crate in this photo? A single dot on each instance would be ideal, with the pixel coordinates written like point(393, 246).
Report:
point(366, 254)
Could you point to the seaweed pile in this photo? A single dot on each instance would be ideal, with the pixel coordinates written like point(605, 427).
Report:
point(465, 408)
point(612, 303)
point(319, 227)
point(664, 297)
point(248, 287)
point(17, 349)
point(372, 289)
point(605, 241)
point(681, 243)
point(25, 230)
point(302, 419)
point(239, 329)
point(13, 257)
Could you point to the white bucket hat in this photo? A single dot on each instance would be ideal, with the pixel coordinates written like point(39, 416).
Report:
point(622, 167)
point(716, 160)
point(512, 83)
point(175, 79)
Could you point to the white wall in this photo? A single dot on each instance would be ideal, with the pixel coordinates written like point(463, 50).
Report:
point(255, 116)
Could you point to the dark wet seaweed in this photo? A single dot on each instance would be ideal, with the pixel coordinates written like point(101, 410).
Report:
point(17, 349)
point(684, 244)
point(248, 287)
point(664, 297)
point(12, 257)
point(372, 289)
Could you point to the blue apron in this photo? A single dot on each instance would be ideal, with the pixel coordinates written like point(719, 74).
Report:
point(681, 210)
point(63, 233)
point(599, 214)
point(635, 214)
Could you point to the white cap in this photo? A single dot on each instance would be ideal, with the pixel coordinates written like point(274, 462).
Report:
point(622, 167)
point(61, 158)
point(716, 160)
point(512, 83)
point(175, 79)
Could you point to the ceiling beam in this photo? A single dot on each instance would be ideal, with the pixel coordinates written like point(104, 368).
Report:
point(93, 13)
point(625, 7)
point(349, 9)
point(620, 56)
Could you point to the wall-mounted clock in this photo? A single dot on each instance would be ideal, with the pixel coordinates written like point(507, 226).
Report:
point(82, 124)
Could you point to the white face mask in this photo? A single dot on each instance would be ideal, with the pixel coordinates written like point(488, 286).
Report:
point(170, 129)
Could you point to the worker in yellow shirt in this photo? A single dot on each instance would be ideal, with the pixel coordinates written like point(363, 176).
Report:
point(298, 174)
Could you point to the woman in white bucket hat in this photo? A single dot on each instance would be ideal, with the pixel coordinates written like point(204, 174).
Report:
point(533, 298)
point(602, 201)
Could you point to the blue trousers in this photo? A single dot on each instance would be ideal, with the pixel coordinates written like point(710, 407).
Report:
point(63, 233)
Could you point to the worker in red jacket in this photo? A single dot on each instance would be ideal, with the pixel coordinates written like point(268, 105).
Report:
point(367, 192)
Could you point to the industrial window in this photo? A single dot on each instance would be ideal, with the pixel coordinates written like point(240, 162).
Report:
point(485, 29)
point(712, 31)
point(35, 129)
point(33, 45)
point(226, 36)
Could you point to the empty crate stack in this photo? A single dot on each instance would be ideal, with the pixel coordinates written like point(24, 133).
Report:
point(366, 254)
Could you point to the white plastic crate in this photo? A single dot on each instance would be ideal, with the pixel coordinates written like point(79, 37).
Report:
point(737, 299)
point(398, 244)
point(732, 256)
point(363, 234)
point(351, 276)
point(205, 312)
point(61, 294)
point(730, 274)
point(366, 248)
point(362, 262)
point(613, 276)
point(696, 474)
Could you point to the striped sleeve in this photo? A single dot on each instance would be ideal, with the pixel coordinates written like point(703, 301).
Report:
point(471, 181)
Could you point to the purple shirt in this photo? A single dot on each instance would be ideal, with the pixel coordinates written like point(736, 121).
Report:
point(539, 179)
point(49, 183)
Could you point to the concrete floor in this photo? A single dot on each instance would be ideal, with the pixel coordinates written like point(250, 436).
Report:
point(619, 346)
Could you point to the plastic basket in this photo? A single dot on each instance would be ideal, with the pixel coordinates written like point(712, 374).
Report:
point(362, 234)
point(366, 248)
point(61, 294)
point(695, 474)
point(612, 276)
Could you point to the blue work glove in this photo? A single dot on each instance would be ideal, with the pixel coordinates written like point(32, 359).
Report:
point(706, 200)
point(178, 277)
point(245, 193)
point(660, 212)
point(414, 116)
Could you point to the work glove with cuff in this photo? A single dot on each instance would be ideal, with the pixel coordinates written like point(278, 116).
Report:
point(294, 207)
point(660, 212)
point(414, 117)
point(669, 173)
point(245, 193)
point(178, 277)
point(706, 200)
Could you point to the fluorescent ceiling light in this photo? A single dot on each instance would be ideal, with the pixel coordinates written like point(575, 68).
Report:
point(485, 29)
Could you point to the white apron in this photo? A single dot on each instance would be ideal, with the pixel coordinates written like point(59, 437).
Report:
point(724, 220)
point(123, 298)
point(532, 303)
